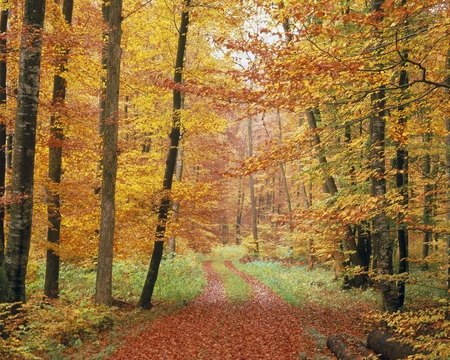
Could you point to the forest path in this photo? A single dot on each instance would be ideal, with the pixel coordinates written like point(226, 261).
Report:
point(212, 327)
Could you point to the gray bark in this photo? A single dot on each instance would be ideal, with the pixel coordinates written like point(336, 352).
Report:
point(17, 249)
point(109, 156)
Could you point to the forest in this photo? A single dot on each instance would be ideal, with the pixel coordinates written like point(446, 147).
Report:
point(152, 148)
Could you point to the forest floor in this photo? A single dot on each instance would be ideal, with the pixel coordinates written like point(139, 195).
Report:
point(262, 327)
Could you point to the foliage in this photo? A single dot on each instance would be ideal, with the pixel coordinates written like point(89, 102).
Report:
point(227, 252)
point(426, 329)
point(63, 326)
point(298, 285)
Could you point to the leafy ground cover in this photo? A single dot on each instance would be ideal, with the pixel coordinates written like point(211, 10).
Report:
point(245, 311)
point(263, 327)
point(74, 328)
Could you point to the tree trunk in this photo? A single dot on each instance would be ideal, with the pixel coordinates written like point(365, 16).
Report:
point(283, 174)
point(240, 210)
point(3, 29)
point(447, 162)
point(51, 285)
point(381, 234)
point(103, 293)
point(176, 204)
point(152, 274)
point(344, 350)
point(427, 205)
point(384, 343)
point(252, 190)
point(401, 179)
point(18, 246)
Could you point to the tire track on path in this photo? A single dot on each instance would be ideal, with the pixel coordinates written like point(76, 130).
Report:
point(212, 327)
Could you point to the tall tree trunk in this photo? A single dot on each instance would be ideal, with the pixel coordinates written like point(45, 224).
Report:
point(283, 173)
point(103, 293)
point(252, 189)
point(176, 204)
point(3, 29)
point(447, 163)
point(18, 246)
point(51, 285)
point(103, 83)
point(427, 205)
point(3, 137)
point(240, 210)
point(381, 234)
point(401, 179)
point(152, 274)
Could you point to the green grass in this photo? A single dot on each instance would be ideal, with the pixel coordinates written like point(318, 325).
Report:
point(52, 329)
point(299, 285)
point(236, 289)
point(227, 252)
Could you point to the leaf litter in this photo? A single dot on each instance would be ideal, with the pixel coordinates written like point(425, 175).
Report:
point(263, 327)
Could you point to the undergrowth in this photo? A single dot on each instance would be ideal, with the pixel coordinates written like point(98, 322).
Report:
point(298, 285)
point(236, 288)
point(55, 329)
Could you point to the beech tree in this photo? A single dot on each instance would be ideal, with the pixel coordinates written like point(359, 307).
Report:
point(164, 207)
point(3, 68)
point(51, 285)
point(103, 293)
point(18, 245)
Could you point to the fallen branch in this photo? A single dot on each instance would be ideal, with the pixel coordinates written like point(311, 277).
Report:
point(384, 343)
point(344, 350)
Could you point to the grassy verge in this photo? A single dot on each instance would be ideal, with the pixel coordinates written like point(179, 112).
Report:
point(60, 329)
point(235, 287)
point(299, 285)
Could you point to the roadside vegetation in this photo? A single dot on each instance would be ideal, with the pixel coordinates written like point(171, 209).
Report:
point(72, 327)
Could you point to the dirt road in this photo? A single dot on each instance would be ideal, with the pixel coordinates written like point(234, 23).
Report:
point(263, 327)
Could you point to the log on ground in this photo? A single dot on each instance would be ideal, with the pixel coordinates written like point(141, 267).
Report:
point(392, 348)
point(344, 350)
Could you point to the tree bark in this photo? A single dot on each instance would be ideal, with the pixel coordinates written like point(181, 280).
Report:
point(51, 285)
point(3, 74)
point(252, 189)
point(18, 246)
point(344, 350)
point(3, 137)
point(447, 163)
point(152, 274)
point(176, 204)
point(384, 343)
point(240, 210)
point(109, 156)
point(427, 205)
point(401, 179)
point(381, 233)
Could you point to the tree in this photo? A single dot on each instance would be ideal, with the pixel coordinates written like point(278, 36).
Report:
point(18, 246)
point(103, 293)
point(3, 68)
point(152, 274)
point(51, 285)
point(381, 232)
